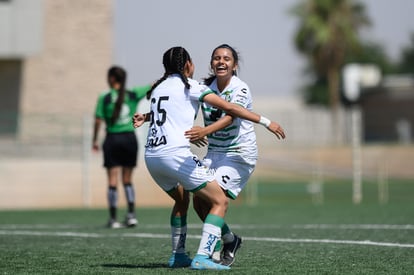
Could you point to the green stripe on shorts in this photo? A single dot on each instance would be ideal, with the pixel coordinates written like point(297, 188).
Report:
point(201, 186)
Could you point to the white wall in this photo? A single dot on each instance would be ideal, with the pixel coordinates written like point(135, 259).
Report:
point(21, 25)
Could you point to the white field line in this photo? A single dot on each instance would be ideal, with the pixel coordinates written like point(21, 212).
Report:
point(327, 226)
point(238, 226)
point(50, 234)
point(366, 242)
point(167, 236)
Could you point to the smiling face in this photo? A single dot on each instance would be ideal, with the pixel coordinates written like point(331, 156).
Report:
point(223, 64)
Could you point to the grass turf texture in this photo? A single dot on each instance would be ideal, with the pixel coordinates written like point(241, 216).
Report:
point(304, 238)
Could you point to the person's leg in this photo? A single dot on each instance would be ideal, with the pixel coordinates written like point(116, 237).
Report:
point(113, 176)
point(202, 208)
point(213, 222)
point(186, 170)
point(222, 254)
point(178, 222)
point(232, 174)
point(130, 196)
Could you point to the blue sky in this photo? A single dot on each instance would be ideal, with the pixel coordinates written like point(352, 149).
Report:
point(262, 32)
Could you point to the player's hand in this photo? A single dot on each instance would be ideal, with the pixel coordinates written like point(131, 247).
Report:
point(95, 147)
point(138, 119)
point(276, 129)
point(195, 133)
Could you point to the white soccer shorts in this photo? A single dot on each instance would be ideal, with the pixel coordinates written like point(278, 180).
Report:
point(231, 171)
point(187, 170)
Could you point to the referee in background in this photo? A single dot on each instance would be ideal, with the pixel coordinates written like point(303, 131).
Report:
point(115, 108)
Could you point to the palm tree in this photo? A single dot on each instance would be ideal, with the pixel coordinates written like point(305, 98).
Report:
point(327, 32)
point(406, 63)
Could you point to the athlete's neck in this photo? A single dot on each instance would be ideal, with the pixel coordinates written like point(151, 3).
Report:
point(222, 83)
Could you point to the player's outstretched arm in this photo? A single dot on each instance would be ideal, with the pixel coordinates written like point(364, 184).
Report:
point(239, 111)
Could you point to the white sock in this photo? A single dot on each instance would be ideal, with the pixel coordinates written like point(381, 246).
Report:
point(178, 237)
point(211, 234)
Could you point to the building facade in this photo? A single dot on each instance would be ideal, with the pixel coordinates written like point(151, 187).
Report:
point(53, 60)
point(388, 113)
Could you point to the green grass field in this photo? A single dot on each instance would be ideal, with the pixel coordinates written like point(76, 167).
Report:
point(284, 233)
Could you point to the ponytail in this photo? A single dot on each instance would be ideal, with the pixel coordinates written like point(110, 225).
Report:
point(119, 75)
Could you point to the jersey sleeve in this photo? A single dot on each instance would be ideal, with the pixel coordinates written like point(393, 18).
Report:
point(203, 91)
point(141, 91)
point(198, 91)
point(241, 96)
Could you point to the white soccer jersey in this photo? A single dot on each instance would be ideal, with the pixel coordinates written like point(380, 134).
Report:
point(173, 109)
point(239, 138)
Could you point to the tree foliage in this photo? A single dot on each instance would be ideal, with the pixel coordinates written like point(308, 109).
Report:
point(406, 62)
point(371, 53)
point(326, 35)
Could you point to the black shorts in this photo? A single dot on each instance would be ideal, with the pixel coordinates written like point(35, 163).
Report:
point(120, 149)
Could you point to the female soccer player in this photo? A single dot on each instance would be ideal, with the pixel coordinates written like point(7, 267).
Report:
point(174, 103)
point(115, 108)
point(232, 151)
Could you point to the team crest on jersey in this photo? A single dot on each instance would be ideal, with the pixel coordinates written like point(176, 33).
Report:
point(227, 95)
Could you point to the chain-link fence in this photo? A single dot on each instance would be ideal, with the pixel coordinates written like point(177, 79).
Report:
point(48, 162)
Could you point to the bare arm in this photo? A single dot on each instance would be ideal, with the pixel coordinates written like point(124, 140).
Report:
point(239, 111)
point(96, 127)
point(198, 133)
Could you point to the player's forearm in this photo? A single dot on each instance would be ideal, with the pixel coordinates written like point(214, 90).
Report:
point(218, 125)
point(239, 111)
point(270, 125)
point(96, 127)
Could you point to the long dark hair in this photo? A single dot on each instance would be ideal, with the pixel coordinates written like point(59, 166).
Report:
point(174, 60)
point(117, 74)
point(210, 78)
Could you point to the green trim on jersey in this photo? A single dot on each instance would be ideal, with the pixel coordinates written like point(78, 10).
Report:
point(106, 104)
point(208, 109)
point(239, 137)
point(204, 93)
